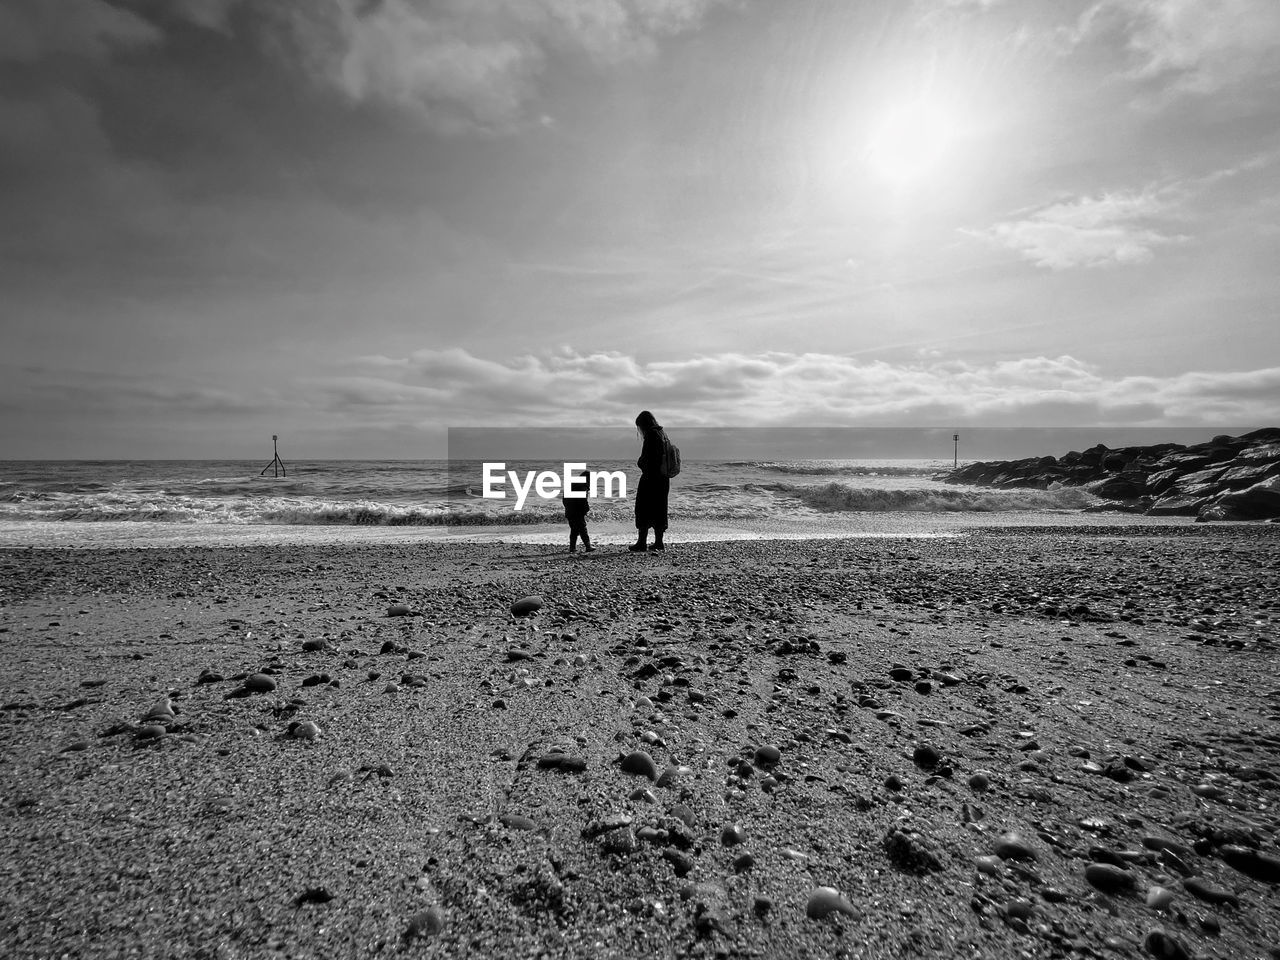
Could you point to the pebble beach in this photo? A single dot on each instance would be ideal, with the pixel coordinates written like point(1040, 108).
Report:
point(1012, 742)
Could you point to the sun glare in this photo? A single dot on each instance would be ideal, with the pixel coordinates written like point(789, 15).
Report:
point(911, 142)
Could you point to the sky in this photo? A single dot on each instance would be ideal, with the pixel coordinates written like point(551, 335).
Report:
point(358, 223)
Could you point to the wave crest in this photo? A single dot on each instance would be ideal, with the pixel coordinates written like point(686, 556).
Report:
point(840, 497)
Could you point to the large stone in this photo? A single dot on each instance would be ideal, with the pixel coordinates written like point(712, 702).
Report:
point(1258, 502)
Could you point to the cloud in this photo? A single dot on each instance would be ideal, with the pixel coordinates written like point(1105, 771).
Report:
point(466, 64)
point(32, 30)
point(566, 388)
point(1190, 46)
point(1111, 229)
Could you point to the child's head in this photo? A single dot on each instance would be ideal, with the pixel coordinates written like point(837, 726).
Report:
point(577, 483)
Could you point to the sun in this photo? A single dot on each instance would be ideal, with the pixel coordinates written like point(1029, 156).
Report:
point(911, 142)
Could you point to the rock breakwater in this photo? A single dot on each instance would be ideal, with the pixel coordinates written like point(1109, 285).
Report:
point(1226, 478)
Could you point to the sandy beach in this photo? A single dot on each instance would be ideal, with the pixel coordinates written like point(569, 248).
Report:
point(1018, 742)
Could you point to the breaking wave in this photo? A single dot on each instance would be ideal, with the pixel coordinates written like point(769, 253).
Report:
point(840, 497)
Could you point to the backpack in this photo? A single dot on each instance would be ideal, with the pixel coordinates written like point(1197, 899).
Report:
point(670, 458)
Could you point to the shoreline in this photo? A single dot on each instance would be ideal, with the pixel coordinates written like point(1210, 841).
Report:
point(879, 524)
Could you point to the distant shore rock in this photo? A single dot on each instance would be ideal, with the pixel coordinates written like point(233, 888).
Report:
point(1227, 478)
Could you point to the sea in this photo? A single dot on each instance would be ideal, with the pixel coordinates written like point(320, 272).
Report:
point(142, 502)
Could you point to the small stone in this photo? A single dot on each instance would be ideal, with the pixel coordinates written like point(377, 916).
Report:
point(824, 901)
point(312, 895)
point(732, 835)
point(399, 610)
point(767, 756)
point(1011, 846)
point(162, 710)
point(893, 782)
point(598, 828)
point(638, 762)
point(515, 821)
point(313, 644)
point(526, 606)
point(1164, 947)
point(555, 760)
point(151, 731)
point(979, 782)
point(1252, 863)
point(1020, 909)
point(992, 866)
point(901, 673)
point(391, 688)
point(911, 850)
point(924, 687)
point(210, 676)
point(1159, 897)
point(259, 683)
point(306, 730)
point(743, 862)
point(1108, 878)
point(1209, 892)
point(425, 923)
point(926, 755)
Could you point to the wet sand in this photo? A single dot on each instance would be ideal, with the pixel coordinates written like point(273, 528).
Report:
point(1107, 694)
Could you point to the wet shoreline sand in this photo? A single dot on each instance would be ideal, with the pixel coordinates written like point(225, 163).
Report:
point(1114, 686)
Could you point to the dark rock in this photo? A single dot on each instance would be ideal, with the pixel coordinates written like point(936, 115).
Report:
point(526, 606)
point(911, 850)
point(639, 763)
point(1164, 947)
point(1209, 892)
point(1013, 847)
point(1252, 863)
point(1109, 878)
point(259, 683)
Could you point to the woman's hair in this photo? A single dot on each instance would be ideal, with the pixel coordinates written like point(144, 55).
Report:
point(647, 421)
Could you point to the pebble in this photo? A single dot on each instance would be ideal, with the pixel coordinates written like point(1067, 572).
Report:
point(306, 730)
point(743, 862)
point(313, 644)
point(1020, 909)
point(824, 901)
point(901, 673)
point(515, 821)
point(1159, 897)
point(526, 605)
point(990, 865)
point(641, 764)
point(259, 683)
point(1252, 863)
point(151, 731)
point(979, 782)
point(767, 756)
point(1164, 947)
point(926, 755)
point(893, 782)
point(1108, 878)
point(163, 710)
point(556, 760)
point(425, 923)
point(1209, 892)
point(1010, 846)
point(732, 835)
point(399, 610)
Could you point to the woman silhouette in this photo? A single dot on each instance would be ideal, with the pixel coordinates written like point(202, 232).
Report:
point(654, 486)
